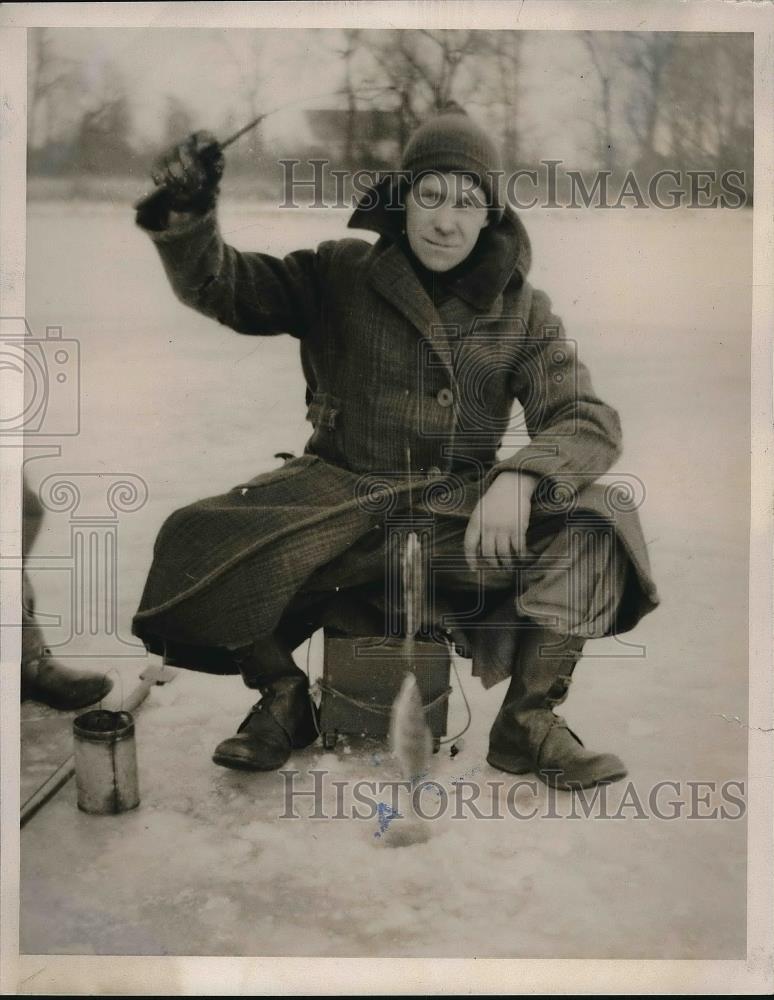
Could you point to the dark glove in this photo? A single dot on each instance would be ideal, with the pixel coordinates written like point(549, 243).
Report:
point(190, 172)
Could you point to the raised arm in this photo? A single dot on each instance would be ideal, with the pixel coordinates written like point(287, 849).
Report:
point(251, 293)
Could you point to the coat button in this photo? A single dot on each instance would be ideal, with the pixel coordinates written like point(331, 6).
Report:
point(445, 397)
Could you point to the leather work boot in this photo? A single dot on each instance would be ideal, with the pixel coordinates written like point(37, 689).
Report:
point(285, 719)
point(528, 737)
point(46, 680)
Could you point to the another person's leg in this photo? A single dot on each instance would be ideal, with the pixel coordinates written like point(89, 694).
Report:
point(43, 678)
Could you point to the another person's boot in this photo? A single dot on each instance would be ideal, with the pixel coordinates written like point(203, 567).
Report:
point(283, 720)
point(46, 680)
point(528, 737)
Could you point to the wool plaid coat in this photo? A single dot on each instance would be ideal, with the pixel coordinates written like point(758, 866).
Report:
point(395, 382)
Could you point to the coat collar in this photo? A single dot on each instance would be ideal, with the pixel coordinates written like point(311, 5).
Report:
point(391, 274)
point(503, 252)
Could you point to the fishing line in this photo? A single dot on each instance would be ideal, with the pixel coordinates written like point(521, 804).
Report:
point(376, 708)
point(309, 687)
point(451, 739)
point(218, 145)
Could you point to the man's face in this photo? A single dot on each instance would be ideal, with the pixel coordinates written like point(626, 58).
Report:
point(445, 214)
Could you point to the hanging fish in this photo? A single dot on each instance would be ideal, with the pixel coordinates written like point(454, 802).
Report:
point(410, 738)
point(412, 745)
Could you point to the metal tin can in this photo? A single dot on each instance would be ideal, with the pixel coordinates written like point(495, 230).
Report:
point(105, 762)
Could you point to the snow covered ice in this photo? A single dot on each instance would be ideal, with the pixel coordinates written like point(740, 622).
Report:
point(660, 307)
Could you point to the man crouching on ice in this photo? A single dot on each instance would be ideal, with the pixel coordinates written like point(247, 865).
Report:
point(414, 346)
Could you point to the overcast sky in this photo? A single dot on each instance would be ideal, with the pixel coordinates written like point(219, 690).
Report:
point(204, 68)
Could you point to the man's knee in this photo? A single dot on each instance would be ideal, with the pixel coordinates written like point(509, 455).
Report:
point(576, 583)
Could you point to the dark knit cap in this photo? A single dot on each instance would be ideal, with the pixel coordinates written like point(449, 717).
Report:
point(453, 142)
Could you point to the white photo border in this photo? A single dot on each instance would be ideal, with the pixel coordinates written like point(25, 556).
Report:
point(229, 976)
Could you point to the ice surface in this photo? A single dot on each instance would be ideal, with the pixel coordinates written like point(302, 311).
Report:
point(204, 866)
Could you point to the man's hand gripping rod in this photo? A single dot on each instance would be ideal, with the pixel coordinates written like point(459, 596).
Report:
point(160, 192)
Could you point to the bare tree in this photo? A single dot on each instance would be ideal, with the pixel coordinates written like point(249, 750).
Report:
point(709, 103)
point(248, 59)
point(688, 104)
point(247, 54)
point(444, 75)
point(103, 139)
point(394, 76)
point(348, 53)
point(734, 118)
point(647, 56)
point(51, 80)
point(601, 50)
point(420, 71)
point(503, 54)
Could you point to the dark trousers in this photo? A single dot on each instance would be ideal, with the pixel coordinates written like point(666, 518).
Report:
point(571, 582)
point(32, 517)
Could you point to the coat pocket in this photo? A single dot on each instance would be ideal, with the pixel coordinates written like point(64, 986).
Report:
point(324, 411)
point(286, 471)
